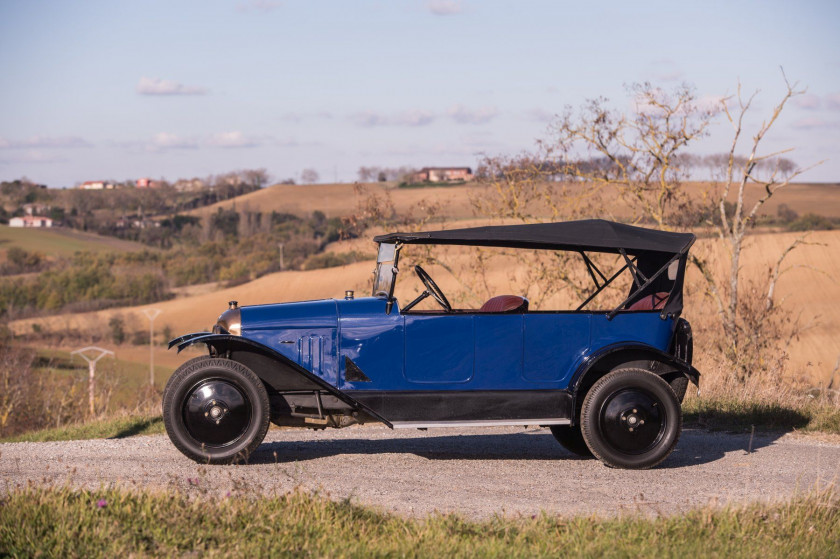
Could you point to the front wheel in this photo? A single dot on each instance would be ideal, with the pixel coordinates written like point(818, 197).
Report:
point(631, 418)
point(215, 410)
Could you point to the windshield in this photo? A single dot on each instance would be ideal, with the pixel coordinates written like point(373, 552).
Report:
point(386, 262)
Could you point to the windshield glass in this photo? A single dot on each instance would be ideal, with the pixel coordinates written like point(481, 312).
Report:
point(383, 281)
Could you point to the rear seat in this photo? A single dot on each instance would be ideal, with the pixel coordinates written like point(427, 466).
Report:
point(505, 304)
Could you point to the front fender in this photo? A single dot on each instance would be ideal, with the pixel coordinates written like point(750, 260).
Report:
point(275, 369)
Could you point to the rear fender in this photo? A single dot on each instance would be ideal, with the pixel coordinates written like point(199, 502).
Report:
point(276, 370)
point(623, 356)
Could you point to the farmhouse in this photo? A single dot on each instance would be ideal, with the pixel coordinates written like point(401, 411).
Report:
point(442, 174)
point(147, 183)
point(96, 185)
point(35, 209)
point(30, 221)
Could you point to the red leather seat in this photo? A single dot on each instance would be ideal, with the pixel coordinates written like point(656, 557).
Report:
point(650, 302)
point(505, 303)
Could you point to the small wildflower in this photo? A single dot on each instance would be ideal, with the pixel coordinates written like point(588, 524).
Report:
point(101, 503)
point(192, 481)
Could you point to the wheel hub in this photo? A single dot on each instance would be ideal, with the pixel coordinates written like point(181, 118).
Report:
point(216, 412)
point(631, 420)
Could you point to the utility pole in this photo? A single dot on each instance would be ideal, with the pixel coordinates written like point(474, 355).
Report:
point(151, 314)
point(91, 370)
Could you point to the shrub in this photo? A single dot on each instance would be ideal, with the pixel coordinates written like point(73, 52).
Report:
point(117, 329)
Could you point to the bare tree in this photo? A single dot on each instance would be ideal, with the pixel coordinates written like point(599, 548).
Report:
point(766, 174)
point(641, 156)
point(257, 178)
point(309, 176)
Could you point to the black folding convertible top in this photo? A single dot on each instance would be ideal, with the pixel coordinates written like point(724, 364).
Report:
point(646, 252)
point(590, 234)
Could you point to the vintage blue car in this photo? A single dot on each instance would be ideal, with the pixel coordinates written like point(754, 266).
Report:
point(607, 383)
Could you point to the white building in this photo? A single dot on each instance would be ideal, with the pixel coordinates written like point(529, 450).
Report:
point(96, 185)
point(30, 221)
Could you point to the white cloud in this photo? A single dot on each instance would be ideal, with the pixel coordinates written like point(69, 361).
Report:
point(45, 142)
point(668, 75)
point(33, 156)
point(234, 139)
point(413, 117)
point(369, 119)
point(297, 118)
point(165, 141)
point(540, 115)
point(157, 86)
point(809, 101)
point(463, 115)
point(445, 7)
point(812, 122)
point(833, 101)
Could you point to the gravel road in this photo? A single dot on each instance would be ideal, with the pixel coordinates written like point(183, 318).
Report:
point(476, 472)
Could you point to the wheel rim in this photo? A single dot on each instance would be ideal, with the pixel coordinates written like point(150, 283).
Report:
point(216, 413)
point(632, 420)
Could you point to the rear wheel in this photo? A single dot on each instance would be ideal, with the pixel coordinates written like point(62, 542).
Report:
point(215, 410)
point(631, 418)
point(571, 438)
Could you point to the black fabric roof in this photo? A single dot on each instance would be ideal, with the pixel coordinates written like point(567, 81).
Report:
point(591, 234)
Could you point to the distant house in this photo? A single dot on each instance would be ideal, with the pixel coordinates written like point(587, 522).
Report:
point(147, 183)
point(442, 174)
point(30, 221)
point(96, 185)
point(189, 185)
point(35, 209)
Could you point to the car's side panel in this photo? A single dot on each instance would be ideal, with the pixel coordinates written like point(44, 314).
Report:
point(374, 341)
point(643, 327)
point(554, 342)
point(431, 408)
point(498, 350)
point(439, 349)
point(306, 333)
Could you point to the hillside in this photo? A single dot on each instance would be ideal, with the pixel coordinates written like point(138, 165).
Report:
point(808, 287)
point(61, 241)
point(337, 200)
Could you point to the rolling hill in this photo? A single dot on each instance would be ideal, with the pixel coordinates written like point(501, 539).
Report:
point(808, 287)
point(60, 241)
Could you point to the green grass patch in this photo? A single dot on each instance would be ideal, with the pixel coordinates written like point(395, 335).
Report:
point(123, 378)
point(113, 428)
point(60, 522)
point(60, 241)
point(722, 414)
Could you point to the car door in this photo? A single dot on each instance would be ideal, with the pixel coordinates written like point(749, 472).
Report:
point(498, 351)
point(439, 348)
point(554, 344)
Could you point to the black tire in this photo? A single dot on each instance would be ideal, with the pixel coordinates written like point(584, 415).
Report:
point(571, 438)
point(216, 411)
point(631, 419)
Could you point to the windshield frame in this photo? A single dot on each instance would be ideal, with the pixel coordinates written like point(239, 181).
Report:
point(385, 274)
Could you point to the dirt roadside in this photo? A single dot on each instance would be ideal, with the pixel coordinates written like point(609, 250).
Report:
point(475, 472)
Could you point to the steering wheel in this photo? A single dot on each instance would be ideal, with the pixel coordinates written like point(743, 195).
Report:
point(431, 289)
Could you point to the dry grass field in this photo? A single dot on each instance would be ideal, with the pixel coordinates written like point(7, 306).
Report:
point(810, 287)
point(337, 200)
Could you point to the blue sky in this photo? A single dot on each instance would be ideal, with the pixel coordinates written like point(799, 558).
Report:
point(104, 89)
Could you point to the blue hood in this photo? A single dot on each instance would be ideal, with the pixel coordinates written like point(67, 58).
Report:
point(307, 314)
